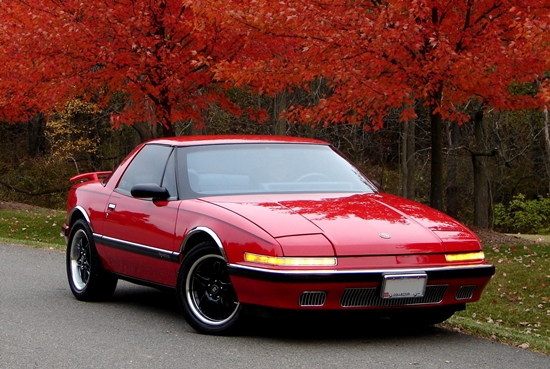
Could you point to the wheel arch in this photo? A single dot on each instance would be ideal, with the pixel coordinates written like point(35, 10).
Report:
point(77, 213)
point(198, 235)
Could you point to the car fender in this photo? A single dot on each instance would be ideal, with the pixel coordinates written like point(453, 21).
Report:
point(79, 212)
point(233, 234)
point(76, 213)
point(201, 232)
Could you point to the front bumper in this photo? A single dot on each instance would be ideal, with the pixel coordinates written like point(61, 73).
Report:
point(354, 289)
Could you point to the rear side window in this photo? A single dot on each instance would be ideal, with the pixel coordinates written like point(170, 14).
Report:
point(148, 166)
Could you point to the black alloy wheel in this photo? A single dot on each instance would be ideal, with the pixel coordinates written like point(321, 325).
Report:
point(205, 292)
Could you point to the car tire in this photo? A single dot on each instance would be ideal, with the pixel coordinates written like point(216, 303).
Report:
point(205, 292)
point(88, 280)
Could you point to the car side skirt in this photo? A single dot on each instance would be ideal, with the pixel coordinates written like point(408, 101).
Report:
point(141, 282)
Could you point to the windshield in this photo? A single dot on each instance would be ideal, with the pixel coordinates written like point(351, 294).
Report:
point(267, 168)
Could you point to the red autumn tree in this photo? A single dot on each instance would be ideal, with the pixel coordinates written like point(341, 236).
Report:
point(172, 58)
point(158, 55)
point(380, 55)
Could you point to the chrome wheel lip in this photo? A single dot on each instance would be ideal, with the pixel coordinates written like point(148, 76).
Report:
point(192, 300)
point(80, 260)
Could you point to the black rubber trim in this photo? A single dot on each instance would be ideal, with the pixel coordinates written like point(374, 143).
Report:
point(305, 276)
point(137, 248)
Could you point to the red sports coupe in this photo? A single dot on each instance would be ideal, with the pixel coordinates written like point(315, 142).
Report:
point(232, 222)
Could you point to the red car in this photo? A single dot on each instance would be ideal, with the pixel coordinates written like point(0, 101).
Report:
point(235, 222)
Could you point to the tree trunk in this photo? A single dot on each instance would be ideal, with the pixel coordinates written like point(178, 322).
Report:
point(408, 160)
point(280, 105)
point(436, 185)
point(481, 183)
point(36, 140)
point(547, 141)
point(146, 130)
point(166, 130)
point(452, 170)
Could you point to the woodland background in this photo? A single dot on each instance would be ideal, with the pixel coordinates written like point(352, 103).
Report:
point(443, 102)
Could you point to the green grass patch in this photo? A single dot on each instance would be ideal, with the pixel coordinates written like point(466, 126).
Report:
point(37, 227)
point(515, 307)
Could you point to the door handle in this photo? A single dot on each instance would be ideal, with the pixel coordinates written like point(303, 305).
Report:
point(111, 206)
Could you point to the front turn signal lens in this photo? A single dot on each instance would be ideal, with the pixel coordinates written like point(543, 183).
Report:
point(470, 256)
point(288, 261)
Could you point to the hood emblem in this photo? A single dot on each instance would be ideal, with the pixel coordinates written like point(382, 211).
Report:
point(385, 236)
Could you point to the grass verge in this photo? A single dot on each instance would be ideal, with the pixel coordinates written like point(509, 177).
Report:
point(37, 227)
point(515, 307)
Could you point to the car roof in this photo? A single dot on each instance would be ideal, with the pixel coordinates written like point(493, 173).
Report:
point(232, 139)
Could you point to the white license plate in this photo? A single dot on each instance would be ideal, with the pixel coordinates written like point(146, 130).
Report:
point(398, 286)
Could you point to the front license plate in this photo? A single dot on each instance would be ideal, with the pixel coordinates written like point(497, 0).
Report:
point(398, 286)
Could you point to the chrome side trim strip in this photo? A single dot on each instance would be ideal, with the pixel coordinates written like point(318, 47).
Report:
point(137, 248)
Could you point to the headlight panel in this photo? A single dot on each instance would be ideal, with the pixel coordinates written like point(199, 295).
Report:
point(469, 256)
point(290, 261)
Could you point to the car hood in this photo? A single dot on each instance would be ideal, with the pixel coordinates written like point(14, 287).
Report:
point(359, 224)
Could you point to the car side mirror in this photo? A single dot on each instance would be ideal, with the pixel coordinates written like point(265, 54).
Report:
point(153, 190)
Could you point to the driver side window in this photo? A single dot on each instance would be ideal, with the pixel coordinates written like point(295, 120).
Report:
point(148, 166)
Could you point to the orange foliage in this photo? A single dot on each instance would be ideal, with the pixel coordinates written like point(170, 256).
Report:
point(173, 58)
point(379, 55)
point(158, 54)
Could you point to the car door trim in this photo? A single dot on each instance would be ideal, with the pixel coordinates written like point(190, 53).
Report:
point(137, 248)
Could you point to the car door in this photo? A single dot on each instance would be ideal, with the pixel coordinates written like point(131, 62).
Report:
point(139, 232)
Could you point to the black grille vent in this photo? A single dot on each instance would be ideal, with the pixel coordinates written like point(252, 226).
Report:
point(313, 298)
point(465, 292)
point(355, 297)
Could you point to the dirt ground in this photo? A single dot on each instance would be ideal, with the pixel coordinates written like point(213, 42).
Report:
point(492, 238)
point(15, 206)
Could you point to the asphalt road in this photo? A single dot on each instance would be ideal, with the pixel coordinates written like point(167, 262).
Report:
point(43, 326)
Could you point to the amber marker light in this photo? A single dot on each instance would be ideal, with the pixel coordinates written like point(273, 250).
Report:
point(470, 256)
point(288, 261)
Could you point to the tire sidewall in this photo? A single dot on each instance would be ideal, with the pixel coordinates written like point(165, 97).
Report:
point(78, 226)
point(201, 251)
point(101, 284)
